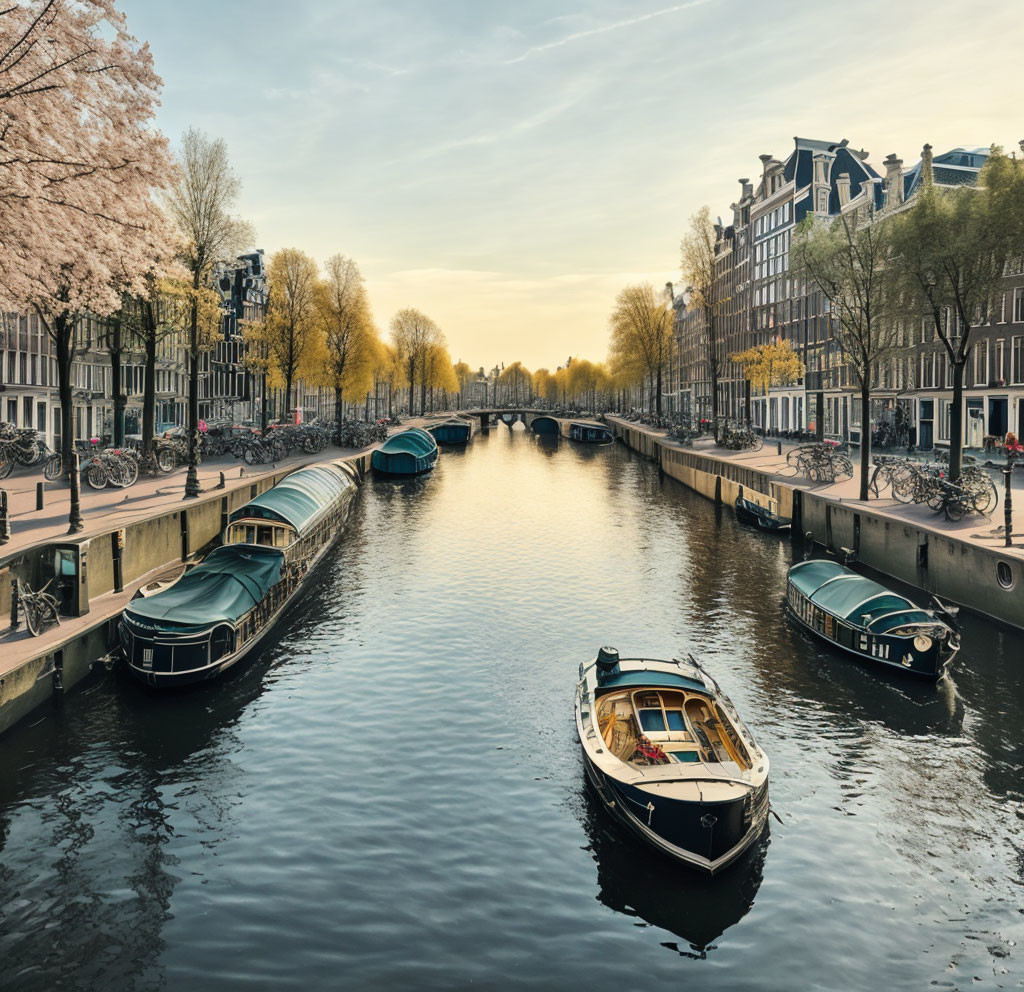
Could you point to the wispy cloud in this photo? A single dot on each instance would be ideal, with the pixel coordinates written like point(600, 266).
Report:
point(604, 29)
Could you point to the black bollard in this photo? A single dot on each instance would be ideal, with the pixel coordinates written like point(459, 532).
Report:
point(75, 519)
point(39, 495)
point(5, 530)
point(1008, 504)
point(14, 604)
point(222, 483)
point(779, 447)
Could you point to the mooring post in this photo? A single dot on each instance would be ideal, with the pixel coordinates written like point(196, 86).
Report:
point(5, 530)
point(75, 520)
point(39, 495)
point(1008, 503)
point(222, 483)
point(14, 604)
point(778, 448)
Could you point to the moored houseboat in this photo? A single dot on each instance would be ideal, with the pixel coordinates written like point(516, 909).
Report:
point(669, 756)
point(590, 432)
point(218, 611)
point(410, 452)
point(455, 430)
point(869, 621)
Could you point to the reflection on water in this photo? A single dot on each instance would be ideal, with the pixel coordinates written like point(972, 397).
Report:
point(391, 795)
point(638, 882)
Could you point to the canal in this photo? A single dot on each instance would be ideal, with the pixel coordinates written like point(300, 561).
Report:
point(390, 795)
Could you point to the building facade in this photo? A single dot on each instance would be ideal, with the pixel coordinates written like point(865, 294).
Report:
point(764, 303)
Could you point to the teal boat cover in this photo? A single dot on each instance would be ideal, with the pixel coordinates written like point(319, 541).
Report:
point(226, 585)
point(299, 498)
point(412, 441)
point(845, 594)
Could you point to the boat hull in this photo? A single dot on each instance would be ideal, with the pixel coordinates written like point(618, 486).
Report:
point(760, 518)
point(708, 836)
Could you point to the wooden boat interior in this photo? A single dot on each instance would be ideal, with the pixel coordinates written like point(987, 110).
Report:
point(659, 726)
point(269, 533)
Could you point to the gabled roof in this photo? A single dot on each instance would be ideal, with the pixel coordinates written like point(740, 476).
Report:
point(957, 167)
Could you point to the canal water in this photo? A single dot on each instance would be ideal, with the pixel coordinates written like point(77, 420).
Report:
point(390, 796)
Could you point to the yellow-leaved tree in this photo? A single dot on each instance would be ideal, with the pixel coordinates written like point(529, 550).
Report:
point(641, 329)
point(290, 328)
point(517, 382)
point(349, 340)
point(766, 366)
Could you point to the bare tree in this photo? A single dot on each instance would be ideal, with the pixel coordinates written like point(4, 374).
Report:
point(698, 264)
point(852, 260)
point(199, 204)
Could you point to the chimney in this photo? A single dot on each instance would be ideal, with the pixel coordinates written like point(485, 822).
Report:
point(843, 189)
point(748, 187)
point(927, 174)
point(893, 180)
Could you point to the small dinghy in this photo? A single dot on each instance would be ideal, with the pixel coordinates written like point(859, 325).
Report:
point(870, 621)
point(669, 756)
point(763, 517)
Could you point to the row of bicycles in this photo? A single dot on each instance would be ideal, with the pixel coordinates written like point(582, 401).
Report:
point(928, 483)
point(822, 461)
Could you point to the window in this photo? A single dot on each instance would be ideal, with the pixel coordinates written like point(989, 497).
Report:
point(1017, 371)
point(1018, 306)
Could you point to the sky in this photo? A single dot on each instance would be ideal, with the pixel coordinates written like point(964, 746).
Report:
point(507, 167)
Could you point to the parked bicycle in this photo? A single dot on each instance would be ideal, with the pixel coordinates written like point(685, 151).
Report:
point(39, 608)
point(824, 462)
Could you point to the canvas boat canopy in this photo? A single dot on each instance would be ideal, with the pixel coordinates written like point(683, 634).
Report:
point(845, 594)
point(230, 582)
point(299, 498)
point(413, 441)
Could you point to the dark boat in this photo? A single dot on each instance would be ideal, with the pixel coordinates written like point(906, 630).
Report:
point(411, 452)
point(590, 432)
point(764, 517)
point(669, 756)
point(869, 621)
point(217, 612)
point(453, 431)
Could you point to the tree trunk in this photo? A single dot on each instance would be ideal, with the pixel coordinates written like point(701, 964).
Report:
point(865, 436)
point(149, 382)
point(956, 422)
point(117, 389)
point(337, 409)
point(63, 333)
point(288, 395)
point(659, 391)
point(192, 478)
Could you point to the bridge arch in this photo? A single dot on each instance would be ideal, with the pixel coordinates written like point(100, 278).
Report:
point(545, 425)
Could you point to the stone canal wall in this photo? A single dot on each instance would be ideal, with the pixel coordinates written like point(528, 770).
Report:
point(984, 579)
point(111, 564)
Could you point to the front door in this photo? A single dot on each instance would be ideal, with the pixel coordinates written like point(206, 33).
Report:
point(997, 424)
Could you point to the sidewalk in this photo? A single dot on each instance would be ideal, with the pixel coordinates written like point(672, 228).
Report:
point(104, 509)
point(984, 531)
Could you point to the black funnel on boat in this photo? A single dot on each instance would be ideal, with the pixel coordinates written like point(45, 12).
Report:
point(607, 663)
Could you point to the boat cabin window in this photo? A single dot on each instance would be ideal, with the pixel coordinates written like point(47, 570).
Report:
point(269, 534)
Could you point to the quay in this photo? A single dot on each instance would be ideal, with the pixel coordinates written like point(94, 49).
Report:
point(963, 562)
point(131, 538)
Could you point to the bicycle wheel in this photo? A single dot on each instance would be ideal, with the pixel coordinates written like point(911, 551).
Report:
point(54, 467)
point(33, 618)
point(165, 460)
point(252, 455)
point(842, 468)
point(6, 464)
point(954, 507)
point(96, 476)
point(757, 444)
point(984, 499)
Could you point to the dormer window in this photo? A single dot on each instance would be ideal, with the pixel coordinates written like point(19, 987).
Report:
point(823, 201)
